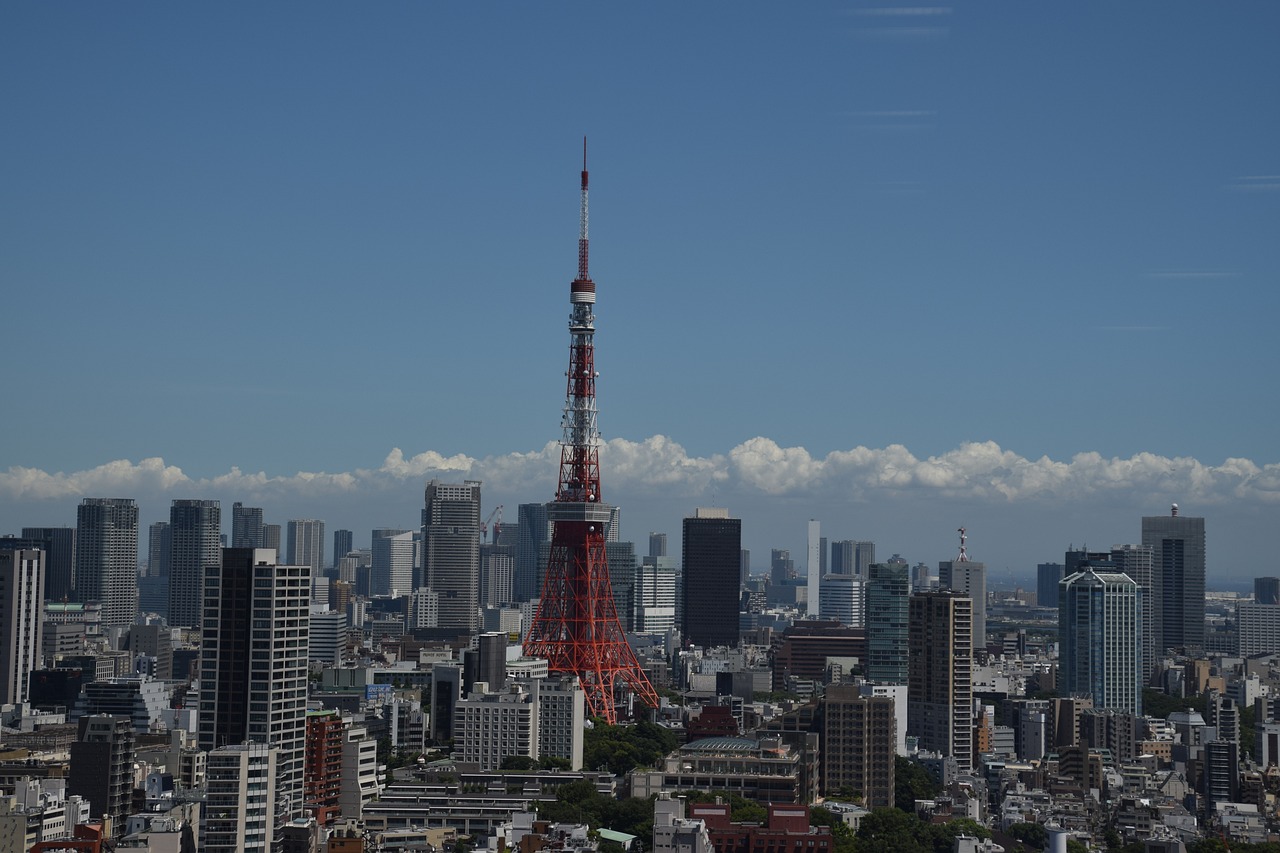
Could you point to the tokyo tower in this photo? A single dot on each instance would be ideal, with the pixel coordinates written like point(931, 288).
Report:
point(576, 627)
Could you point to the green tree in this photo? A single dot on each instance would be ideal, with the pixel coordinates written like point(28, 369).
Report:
point(1033, 835)
point(911, 782)
point(518, 762)
point(1074, 846)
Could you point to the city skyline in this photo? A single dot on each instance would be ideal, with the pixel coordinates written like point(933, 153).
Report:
point(1086, 209)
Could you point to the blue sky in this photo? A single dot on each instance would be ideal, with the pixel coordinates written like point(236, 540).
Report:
point(1035, 243)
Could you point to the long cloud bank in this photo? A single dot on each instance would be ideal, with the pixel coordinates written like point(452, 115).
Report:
point(975, 471)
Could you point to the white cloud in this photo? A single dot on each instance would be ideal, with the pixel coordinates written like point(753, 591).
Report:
point(974, 471)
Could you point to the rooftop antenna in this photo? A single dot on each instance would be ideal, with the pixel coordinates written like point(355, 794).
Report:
point(964, 554)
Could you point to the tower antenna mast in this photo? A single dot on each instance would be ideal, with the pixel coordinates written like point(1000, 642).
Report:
point(576, 627)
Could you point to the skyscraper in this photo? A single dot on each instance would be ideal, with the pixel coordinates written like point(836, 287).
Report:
point(781, 566)
point(813, 567)
point(1048, 575)
point(657, 544)
point(21, 620)
point(533, 529)
point(107, 557)
point(1265, 590)
point(968, 578)
point(842, 557)
point(656, 594)
point(888, 594)
point(842, 599)
point(253, 662)
point(1138, 562)
point(59, 545)
point(940, 674)
point(343, 543)
point(271, 537)
point(451, 551)
point(393, 557)
point(240, 810)
point(246, 527)
point(102, 766)
point(159, 548)
point(864, 554)
point(194, 528)
point(1100, 629)
point(1178, 545)
point(306, 544)
point(497, 567)
point(712, 546)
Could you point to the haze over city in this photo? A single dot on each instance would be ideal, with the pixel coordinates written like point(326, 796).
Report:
point(899, 269)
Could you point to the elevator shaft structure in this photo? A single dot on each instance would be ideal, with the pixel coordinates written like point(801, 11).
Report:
point(576, 627)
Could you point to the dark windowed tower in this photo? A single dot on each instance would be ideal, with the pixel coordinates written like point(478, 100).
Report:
point(712, 555)
point(194, 528)
point(1178, 552)
point(451, 551)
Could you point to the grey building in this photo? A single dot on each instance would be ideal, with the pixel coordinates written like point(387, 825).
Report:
point(657, 544)
point(968, 578)
point(533, 530)
point(1265, 590)
point(59, 545)
point(306, 544)
point(107, 557)
point(247, 527)
point(451, 551)
point(711, 559)
point(102, 766)
point(1138, 562)
point(393, 558)
point(194, 528)
point(271, 537)
point(159, 545)
point(1178, 545)
point(497, 570)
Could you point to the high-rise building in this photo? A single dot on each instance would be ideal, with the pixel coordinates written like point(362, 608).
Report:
point(159, 549)
point(253, 667)
point(59, 545)
point(888, 594)
point(107, 557)
point(1047, 577)
point(21, 620)
point(864, 554)
point(1178, 544)
point(393, 557)
point(271, 537)
point(842, 557)
point(343, 543)
point(781, 567)
point(1265, 590)
point(859, 734)
point(1138, 562)
point(306, 544)
point(102, 766)
point(493, 724)
point(940, 674)
point(194, 527)
point(712, 546)
point(969, 578)
point(655, 594)
point(533, 530)
point(240, 809)
point(497, 568)
point(451, 551)
point(246, 527)
point(813, 567)
point(657, 544)
point(621, 557)
point(842, 599)
point(1100, 630)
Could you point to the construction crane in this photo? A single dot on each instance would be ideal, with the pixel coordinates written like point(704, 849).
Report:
point(497, 528)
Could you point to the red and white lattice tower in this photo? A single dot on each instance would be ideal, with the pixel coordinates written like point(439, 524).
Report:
point(576, 627)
